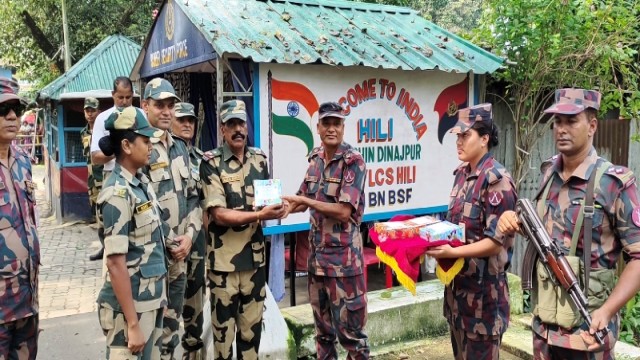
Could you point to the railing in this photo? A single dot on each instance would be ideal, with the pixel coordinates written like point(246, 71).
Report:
point(29, 143)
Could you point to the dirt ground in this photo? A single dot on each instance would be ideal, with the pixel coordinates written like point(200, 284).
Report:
point(437, 349)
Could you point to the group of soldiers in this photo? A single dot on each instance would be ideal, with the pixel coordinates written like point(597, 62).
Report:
point(167, 209)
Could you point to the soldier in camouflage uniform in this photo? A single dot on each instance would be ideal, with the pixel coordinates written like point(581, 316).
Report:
point(134, 294)
point(476, 302)
point(236, 251)
point(615, 225)
point(20, 249)
point(94, 172)
point(170, 176)
point(184, 125)
point(333, 190)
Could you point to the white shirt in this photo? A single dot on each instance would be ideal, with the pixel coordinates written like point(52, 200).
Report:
point(99, 132)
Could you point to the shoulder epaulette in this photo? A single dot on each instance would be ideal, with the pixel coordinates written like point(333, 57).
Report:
point(623, 174)
point(314, 153)
point(208, 155)
point(352, 155)
point(494, 175)
point(257, 151)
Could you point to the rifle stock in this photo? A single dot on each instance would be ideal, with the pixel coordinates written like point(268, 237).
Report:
point(554, 261)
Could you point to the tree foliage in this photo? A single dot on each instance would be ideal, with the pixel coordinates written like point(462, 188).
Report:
point(552, 44)
point(89, 23)
point(457, 16)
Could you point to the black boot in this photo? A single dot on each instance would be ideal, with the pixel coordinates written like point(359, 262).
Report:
point(98, 255)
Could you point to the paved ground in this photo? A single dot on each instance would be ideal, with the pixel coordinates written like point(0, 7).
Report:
point(69, 282)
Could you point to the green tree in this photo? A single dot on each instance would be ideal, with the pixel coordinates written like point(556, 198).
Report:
point(551, 44)
point(31, 31)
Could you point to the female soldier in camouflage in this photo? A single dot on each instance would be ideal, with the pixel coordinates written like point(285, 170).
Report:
point(477, 301)
point(131, 302)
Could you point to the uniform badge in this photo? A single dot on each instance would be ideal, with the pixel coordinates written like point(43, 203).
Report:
point(2, 186)
point(334, 180)
point(495, 198)
point(229, 178)
point(349, 176)
point(30, 185)
point(158, 165)
point(635, 216)
point(120, 192)
point(143, 207)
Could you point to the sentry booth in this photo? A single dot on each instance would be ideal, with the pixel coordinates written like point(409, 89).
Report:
point(400, 78)
point(63, 100)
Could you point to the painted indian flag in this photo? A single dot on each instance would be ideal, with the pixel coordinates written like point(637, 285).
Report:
point(293, 107)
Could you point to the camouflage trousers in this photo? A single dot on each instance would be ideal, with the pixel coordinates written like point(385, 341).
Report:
point(114, 326)
point(543, 351)
point(468, 345)
point(175, 297)
point(237, 305)
point(19, 339)
point(93, 198)
point(192, 311)
point(339, 309)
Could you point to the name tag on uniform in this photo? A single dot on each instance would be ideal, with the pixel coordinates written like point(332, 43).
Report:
point(143, 207)
point(229, 178)
point(159, 165)
point(311, 178)
point(334, 180)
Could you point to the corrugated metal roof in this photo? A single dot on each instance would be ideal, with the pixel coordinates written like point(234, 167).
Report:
point(113, 57)
point(334, 32)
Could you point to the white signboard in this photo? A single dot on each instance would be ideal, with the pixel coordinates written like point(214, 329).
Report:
point(398, 120)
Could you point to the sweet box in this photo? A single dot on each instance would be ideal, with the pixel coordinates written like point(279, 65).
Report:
point(267, 192)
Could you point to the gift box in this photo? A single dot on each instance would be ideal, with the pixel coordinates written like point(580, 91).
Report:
point(267, 192)
point(402, 242)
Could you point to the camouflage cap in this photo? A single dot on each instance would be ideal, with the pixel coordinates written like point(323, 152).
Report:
point(159, 89)
point(91, 102)
point(467, 117)
point(9, 89)
point(131, 118)
point(574, 101)
point(330, 109)
point(184, 109)
point(233, 109)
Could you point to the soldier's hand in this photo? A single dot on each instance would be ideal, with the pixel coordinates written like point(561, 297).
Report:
point(182, 251)
point(136, 338)
point(271, 212)
point(508, 223)
point(600, 318)
point(442, 252)
point(294, 200)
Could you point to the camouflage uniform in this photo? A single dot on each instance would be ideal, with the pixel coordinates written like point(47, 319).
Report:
point(194, 295)
point(170, 174)
point(476, 303)
point(616, 200)
point(337, 287)
point(20, 248)
point(236, 255)
point(20, 259)
point(132, 223)
point(94, 172)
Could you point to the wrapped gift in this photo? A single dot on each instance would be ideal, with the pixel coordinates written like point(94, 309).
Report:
point(267, 192)
point(402, 242)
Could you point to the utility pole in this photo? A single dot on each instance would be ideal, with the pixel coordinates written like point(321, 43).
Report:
point(65, 32)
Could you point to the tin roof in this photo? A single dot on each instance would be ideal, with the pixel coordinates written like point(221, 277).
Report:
point(334, 32)
point(113, 57)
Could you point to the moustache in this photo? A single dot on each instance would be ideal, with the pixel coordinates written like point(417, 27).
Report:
point(238, 136)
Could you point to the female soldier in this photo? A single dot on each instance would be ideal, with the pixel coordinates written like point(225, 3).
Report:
point(130, 304)
point(477, 301)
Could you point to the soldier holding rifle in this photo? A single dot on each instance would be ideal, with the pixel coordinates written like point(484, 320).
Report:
point(602, 217)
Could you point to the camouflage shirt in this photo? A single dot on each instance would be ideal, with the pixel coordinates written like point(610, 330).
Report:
point(170, 174)
point(478, 299)
point(95, 177)
point(195, 197)
point(615, 227)
point(228, 183)
point(19, 245)
point(336, 247)
point(132, 226)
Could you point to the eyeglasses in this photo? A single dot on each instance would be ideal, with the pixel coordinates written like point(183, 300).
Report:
point(17, 108)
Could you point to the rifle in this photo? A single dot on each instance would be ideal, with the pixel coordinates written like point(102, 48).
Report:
point(554, 261)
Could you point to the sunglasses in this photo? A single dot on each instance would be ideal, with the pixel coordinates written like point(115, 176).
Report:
point(17, 108)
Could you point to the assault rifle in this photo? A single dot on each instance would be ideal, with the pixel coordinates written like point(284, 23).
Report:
point(554, 260)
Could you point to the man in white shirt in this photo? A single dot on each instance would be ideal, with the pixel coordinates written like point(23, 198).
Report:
point(122, 97)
